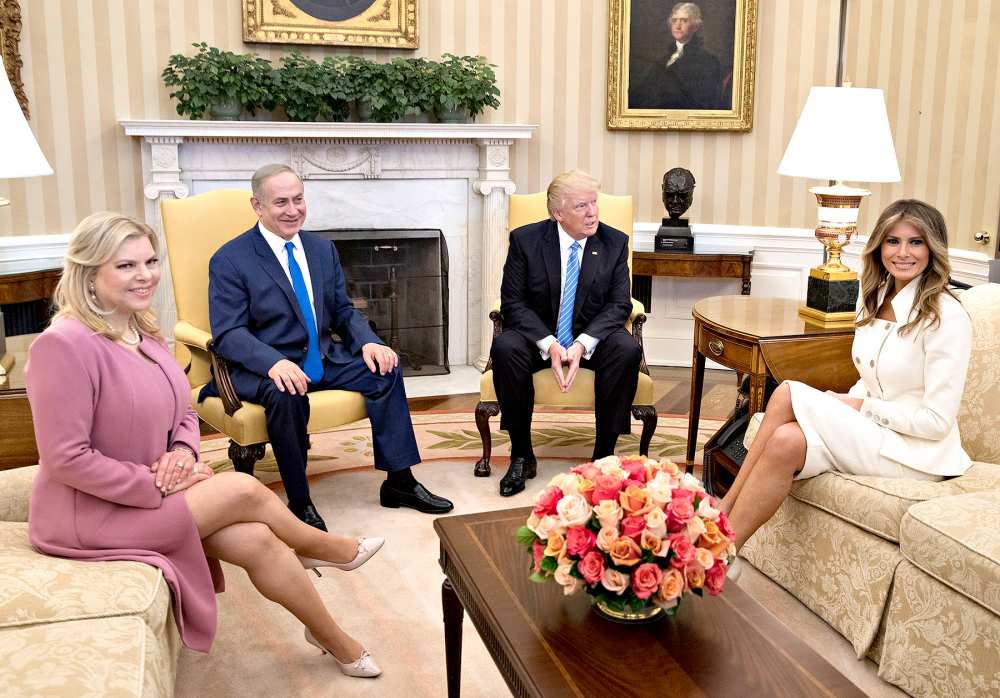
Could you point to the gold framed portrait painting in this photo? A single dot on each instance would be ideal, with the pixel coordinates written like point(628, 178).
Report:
point(681, 66)
point(384, 23)
point(10, 36)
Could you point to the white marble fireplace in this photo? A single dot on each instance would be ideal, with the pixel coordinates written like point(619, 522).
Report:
point(452, 177)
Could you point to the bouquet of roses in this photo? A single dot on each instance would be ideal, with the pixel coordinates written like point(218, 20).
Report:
point(631, 531)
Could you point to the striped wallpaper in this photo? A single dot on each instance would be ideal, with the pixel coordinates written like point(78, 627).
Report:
point(89, 63)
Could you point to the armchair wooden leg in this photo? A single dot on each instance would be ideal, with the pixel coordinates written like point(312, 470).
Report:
point(647, 413)
point(485, 410)
point(243, 457)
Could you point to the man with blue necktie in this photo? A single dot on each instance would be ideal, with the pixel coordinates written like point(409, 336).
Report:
point(275, 295)
point(565, 297)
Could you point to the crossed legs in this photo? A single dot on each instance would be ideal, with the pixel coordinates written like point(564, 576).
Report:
point(765, 478)
point(244, 523)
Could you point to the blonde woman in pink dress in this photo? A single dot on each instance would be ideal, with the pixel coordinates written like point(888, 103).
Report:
point(119, 476)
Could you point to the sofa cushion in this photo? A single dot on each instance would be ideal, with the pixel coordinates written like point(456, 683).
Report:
point(15, 491)
point(954, 540)
point(36, 588)
point(877, 504)
point(93, 657)
point(979, 413)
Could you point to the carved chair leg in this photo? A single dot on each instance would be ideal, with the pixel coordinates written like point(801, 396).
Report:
point(485, 410)
point(243, 457)
point(646, 413)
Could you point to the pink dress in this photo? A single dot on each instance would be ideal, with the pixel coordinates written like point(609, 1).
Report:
point(102, 415)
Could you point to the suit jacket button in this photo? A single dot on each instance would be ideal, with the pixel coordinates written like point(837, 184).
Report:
point(884, 421)
point(868, 413)
point(872, 363)
point(857, 360)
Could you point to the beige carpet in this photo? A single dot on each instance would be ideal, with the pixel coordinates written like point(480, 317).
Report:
point(393, 603)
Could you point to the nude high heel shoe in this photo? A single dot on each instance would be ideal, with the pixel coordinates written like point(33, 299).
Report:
point(364, 667)
point(367, 547)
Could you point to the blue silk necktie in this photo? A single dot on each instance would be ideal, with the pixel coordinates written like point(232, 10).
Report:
point(564, 328)
point(313, 365)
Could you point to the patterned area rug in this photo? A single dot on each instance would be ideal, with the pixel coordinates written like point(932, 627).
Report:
point(561, 435)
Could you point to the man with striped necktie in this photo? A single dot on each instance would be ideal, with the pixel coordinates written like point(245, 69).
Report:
point(565, 297)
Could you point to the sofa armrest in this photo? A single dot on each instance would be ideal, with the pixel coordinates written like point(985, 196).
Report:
point(15, 491)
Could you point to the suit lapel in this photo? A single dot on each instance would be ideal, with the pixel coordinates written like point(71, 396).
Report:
point(593, 257)
point(269, 263)
point(551, 257)
point(313, 249)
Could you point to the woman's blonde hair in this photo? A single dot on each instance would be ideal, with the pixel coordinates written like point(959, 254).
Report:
point(94, 242)
point(565, 184)
point(929, 222)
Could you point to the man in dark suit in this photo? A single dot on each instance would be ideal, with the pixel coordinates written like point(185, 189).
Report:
point(275, 295)
point(564, 298)
point(686, 76)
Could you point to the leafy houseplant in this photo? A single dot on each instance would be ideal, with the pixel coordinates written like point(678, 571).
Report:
point(308, 91)
point(465, 84)
point(220, 82)
point(381, 91)
point(419, 78)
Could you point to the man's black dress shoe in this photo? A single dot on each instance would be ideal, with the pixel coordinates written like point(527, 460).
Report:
point(416, 497)
point(309, 515)
point(520, 469)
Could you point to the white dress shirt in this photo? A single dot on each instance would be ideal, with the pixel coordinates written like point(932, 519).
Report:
point(912, 386)
point(565, 242)
point(277, 245)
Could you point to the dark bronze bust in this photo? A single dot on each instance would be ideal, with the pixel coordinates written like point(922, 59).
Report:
point(678, 191)
point(674, 234)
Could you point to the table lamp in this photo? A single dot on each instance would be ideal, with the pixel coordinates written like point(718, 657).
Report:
point(21, 158)
point(842, 135)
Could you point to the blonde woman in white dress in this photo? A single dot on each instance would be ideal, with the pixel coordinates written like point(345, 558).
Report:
point(911, 349)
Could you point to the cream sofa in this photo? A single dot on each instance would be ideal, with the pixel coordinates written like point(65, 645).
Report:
point(73, 628)
point(908, 571)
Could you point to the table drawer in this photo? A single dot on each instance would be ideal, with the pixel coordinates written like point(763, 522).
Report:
point(724, 350)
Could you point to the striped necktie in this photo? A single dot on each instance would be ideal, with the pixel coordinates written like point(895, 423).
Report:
point(564, 328)
point(313, 364)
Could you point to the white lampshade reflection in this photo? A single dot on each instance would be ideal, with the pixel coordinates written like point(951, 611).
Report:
point(843, 135)
point(20, 155)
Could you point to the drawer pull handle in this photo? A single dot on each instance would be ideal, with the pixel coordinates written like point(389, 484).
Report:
point(716, 347)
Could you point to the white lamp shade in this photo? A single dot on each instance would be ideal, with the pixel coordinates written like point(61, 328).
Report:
point(842, 134)
point(20, 155)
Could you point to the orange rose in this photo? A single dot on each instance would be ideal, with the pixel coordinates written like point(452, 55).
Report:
point(625, 552)
point(713, 539)
point(704, 557)
point(653, 543)
point(555, 545)
point(606, 537)
point(695, 576)
point(584, 487)
point(635, 501)
point(671, 586)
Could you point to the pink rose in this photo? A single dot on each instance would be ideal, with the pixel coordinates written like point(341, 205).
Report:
point(629, 482)
point(715, 577)
point(537, 552)
point(683, 494)
point(683, 551)
point(580, 540)
point(646, 580)
point(591, 567)
point(547, 500)
point(679, 512)
point(636, 469)
point(725, 527)
point(633, 526)
point(605, 487)
point(586, 470)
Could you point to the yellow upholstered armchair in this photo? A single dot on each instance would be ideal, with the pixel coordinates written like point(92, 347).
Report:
point(615, 211)
point(194, 229)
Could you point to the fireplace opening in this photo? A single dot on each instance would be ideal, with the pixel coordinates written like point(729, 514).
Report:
point(398, 278)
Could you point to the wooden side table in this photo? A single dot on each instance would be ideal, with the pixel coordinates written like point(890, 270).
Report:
point(691, 265)
point(765, 337)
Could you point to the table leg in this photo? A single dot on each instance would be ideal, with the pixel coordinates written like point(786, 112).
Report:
point(453, 615)
point(758, 383)
point(697, 380)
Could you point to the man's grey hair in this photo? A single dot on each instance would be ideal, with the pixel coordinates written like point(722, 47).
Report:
point(693, 11)
point(566, 184)
point(265, 173)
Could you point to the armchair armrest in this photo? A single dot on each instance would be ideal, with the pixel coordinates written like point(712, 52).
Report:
point(200, 342)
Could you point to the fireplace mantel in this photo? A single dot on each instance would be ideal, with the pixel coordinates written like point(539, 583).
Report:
point(452, 176)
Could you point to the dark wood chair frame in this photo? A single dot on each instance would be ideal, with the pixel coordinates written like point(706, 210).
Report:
point(489, 408)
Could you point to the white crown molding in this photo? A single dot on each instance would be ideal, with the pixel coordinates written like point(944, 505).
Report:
point(22, 253)
point(286, 130)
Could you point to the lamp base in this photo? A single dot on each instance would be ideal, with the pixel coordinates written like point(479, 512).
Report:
point(831, 298)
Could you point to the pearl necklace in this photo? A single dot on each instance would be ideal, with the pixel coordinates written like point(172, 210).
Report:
point(135, 333)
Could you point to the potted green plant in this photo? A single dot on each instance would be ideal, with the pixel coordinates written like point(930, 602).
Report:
point(419, 78)
point(380, 89)
point(308, 90)
point(219, 82)
point(465, 86)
